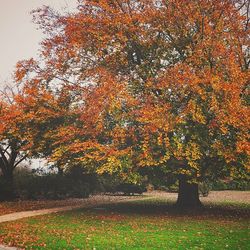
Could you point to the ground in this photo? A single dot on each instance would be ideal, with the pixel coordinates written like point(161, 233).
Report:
point(150, 222)
point(214, 197)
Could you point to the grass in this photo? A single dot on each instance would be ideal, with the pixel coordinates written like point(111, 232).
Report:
point(146, 224)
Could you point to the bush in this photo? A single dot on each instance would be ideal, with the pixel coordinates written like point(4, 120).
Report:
point(114, 185)
point(7, 191)
point(50, 187)
point(242, 185)
point(204, 188)
point(108, 184)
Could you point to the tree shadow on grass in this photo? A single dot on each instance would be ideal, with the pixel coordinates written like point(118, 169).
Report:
point(168, 208)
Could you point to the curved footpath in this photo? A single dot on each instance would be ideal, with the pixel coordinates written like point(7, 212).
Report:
point(25, 214)
point(93, 201)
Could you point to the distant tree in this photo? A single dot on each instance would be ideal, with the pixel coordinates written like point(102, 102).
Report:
point(28, 117)
point(12, 143)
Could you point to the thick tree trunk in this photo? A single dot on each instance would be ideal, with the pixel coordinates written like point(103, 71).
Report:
point(188, 195)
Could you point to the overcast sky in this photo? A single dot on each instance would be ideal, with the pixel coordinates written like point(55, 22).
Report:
point(19, 37)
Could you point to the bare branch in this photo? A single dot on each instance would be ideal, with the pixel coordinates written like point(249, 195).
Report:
point(20, 160)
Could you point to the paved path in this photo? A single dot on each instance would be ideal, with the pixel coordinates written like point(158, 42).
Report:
point(87, 204)
point(25, 214)
point(7, 248)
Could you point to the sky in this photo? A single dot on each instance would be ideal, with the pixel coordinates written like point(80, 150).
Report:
point(19, 37)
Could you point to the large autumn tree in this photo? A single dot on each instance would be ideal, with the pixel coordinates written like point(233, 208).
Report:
point(163, 84)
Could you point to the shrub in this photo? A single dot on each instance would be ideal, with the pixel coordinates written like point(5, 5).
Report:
point(204, 188)
point(242, 185)
point(50, 186)
point(7, 191)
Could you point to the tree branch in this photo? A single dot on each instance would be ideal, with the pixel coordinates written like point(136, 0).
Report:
point(20, 160)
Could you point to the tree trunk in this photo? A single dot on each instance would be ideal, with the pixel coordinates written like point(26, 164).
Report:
point(60, 171)
point(188, 195)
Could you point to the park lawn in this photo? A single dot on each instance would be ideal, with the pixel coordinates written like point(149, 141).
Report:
point(147, 224)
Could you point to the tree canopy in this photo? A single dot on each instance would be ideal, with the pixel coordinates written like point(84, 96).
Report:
point(151, 83)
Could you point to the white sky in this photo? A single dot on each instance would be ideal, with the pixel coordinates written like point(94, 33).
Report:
point(19, 37)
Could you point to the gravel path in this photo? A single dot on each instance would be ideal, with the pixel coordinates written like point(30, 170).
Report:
point(25, 214)
point(227, 196)
point(214, 196)
point(30, 205)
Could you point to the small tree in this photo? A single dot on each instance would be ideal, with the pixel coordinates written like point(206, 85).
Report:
point(28, 119)
point(12, 144)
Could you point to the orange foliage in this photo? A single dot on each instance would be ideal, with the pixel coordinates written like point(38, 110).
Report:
point(156, 82)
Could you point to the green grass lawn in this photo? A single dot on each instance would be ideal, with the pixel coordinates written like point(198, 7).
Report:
point(148, 224)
